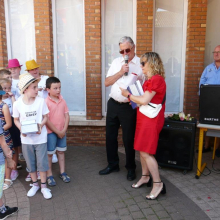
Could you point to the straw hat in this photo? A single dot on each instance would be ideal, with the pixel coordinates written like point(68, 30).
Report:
point(25, 80)
point(31, 64)
point(13, 63)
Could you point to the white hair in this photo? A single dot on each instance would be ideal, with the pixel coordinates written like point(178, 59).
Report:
point(126, 39)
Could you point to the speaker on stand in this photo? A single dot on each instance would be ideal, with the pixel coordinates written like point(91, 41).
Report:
point(176, 145)
point(209, 104)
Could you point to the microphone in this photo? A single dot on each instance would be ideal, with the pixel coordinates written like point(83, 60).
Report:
point(126, 61)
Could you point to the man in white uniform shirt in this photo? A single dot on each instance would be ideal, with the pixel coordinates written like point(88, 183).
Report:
point(119, 111)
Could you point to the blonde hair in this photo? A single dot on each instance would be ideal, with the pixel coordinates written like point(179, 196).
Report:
point(4, 80)
point(155, 63)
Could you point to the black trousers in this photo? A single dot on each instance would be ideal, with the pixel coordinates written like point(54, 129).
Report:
point(120, 114)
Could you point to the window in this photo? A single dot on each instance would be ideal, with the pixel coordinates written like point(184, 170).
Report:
point(170, 44)
point(119, 19)
point(20, 29)
point(69, 55)
point(212, 30)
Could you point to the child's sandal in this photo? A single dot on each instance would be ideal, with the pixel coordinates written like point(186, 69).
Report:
point(65, 178)
point(6, 185)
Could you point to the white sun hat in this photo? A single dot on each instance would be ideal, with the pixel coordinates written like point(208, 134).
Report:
point(25, 80)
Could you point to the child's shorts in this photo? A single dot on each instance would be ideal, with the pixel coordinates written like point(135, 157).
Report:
point(36, 157)
point(54, 143)
point(2, 174)
point(15, 135)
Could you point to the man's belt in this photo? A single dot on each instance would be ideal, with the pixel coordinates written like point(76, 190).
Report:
point(120, 103)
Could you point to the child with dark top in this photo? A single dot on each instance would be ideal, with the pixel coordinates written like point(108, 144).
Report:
point(9, 99)
point(5, 151)
point(6, 124)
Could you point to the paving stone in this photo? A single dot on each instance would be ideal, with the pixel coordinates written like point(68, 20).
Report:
point(152, 217)
point(137, 214)
point(157, 207)
point(133, 208)
point(148, 211)
point(119, 205)
point(123, 211)
point(129, 202)
point(109, 208)
point(22, 217)
point(91, 196)
point(127, 217)
point(162, 214)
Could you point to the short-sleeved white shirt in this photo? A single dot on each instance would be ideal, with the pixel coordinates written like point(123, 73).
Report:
point(34, 111)
point(42, 84)
point(134, 74)
point(8, 101)
point(15, 89)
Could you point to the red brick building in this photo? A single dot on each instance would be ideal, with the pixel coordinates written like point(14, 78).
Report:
point(77, 40)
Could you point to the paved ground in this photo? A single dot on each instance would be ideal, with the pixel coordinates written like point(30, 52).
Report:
point(90, 196)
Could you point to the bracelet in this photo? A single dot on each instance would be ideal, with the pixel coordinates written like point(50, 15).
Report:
point(129, 97)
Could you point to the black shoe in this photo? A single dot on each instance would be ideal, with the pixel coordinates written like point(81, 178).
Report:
point(131, 175)
point(19, 166)
point(9, 211)
point(108, 170)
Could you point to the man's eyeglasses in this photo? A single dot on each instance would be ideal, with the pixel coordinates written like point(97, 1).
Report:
point(142, 64)
point(216, 52)
point(126, 50)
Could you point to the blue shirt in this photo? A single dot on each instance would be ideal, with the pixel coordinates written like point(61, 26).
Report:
point(210, 75)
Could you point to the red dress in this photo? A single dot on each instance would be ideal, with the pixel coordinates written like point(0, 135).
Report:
point(148, 129)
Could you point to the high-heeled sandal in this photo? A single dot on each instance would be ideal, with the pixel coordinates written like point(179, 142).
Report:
point(149, 183)
point(163, 191)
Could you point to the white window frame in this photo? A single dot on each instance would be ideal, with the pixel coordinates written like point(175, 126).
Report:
point(8, 35)
point(183, 60)
point(81, 113)
point(103, 46)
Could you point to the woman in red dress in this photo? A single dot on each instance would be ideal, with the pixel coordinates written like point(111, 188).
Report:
point(148, 129)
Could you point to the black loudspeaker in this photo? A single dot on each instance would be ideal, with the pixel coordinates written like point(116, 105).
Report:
point(176, 145)
point(209, 104)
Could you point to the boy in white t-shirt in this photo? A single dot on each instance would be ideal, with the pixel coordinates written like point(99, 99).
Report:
point(34, 146)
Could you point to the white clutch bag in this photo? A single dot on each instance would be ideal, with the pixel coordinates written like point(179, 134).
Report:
point(151, 110)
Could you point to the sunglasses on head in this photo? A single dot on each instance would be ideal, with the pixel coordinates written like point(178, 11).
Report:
point(126, 50)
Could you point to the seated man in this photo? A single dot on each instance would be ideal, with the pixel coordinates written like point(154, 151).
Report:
point(211, 75)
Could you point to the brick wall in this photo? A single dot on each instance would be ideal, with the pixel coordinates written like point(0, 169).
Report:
point(92, 135)
point(3, 43)
point(44, 35)
point(95, 136)
point(195, 49)
point(144, 26)
point(93, 59)
point(88, 136)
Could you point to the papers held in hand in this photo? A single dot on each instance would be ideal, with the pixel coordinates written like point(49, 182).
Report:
point(135, 89)
point(29, 127)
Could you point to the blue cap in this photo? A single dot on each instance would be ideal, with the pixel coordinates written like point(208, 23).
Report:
point(2, 92)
